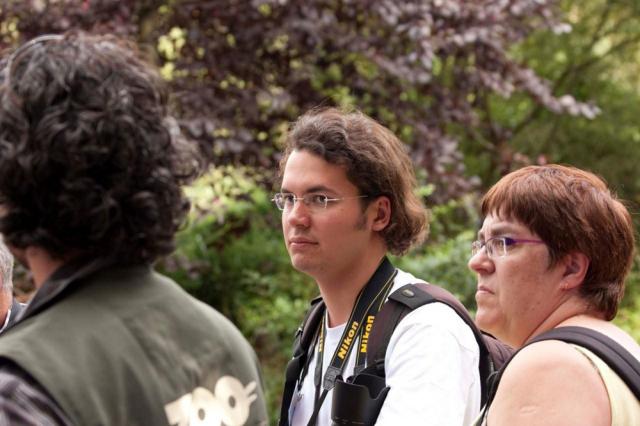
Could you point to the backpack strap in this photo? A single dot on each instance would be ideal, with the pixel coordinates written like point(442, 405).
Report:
point(302, 342)
point(397, 306)
point(620, 360)
point(493, 353)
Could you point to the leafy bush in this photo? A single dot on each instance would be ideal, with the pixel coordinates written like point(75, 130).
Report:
point(445, 264)
point(443, 260)
point(629, 315)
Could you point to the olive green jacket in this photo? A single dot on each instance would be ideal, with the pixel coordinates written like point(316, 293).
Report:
point(127, 346)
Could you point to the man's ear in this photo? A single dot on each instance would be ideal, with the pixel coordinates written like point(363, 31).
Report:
point(382, 213)
point(575, 266)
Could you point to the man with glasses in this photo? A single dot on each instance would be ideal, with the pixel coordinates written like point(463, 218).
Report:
point(348, 198)
point(91, 170)
point(553, 252)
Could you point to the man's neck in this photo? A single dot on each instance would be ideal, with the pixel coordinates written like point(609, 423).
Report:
point(339, 293)
point(41, 264)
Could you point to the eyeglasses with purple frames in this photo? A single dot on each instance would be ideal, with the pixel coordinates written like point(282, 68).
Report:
point(497, 246)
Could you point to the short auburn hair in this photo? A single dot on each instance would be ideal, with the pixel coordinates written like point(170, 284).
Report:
point(376, 162)
point(572, 210)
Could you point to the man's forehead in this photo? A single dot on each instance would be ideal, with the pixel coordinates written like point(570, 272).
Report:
point(308, 172)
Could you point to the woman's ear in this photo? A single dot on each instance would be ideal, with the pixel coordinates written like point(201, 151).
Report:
point(382, 213)
point(576, 265)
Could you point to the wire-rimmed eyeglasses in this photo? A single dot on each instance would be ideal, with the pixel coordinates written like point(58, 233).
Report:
point(314, 201)
point(498, 246)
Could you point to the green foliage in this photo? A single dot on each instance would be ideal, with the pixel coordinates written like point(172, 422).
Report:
point(443, 260)
point(445, 264)
point(597, 60)
point(629, 314)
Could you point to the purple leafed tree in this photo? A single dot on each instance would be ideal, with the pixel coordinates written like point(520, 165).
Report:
point(241, 70)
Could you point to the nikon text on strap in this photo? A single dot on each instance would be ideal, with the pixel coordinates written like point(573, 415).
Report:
point(367, 305)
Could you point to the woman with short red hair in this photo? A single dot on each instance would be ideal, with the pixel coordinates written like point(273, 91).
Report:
point(554, 250)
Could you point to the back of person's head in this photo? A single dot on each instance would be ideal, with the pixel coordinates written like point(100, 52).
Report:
point(90, 162)
point(375, 162)
point(572, 210)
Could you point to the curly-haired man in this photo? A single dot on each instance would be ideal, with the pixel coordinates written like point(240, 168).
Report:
point(90, 195)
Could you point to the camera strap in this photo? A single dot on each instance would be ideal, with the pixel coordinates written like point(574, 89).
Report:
point(368, 303)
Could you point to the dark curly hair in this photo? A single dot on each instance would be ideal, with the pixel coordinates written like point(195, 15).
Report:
point(90, 161)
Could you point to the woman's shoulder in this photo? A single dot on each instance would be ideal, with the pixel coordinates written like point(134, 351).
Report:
point(549, 382)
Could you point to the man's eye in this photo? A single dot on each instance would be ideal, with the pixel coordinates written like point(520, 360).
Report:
point(288, 198)
point(318, 199)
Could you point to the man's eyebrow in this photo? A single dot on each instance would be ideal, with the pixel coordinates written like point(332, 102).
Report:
point(317, 188)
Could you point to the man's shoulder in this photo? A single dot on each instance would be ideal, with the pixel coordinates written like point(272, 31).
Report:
point(432, 319)
point(437, 314)
point(403, 278)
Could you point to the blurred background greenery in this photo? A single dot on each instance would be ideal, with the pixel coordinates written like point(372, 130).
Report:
point(475, 90)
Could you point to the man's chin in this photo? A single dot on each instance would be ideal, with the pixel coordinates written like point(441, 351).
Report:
point(304, 265)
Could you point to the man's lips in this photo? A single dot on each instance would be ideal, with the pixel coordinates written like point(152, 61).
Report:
point(484, 289)
point(300, 242)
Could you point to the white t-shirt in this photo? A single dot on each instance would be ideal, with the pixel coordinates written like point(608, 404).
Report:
point(431, 368)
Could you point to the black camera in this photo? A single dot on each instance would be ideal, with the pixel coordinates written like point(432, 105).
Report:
point(358, 400)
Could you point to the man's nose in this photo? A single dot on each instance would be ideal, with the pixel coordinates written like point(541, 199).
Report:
point(298, 214)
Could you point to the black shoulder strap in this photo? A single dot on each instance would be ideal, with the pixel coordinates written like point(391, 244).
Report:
point(398, 305)
point(303, 340)
point(626, 366)
point(411, 296)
